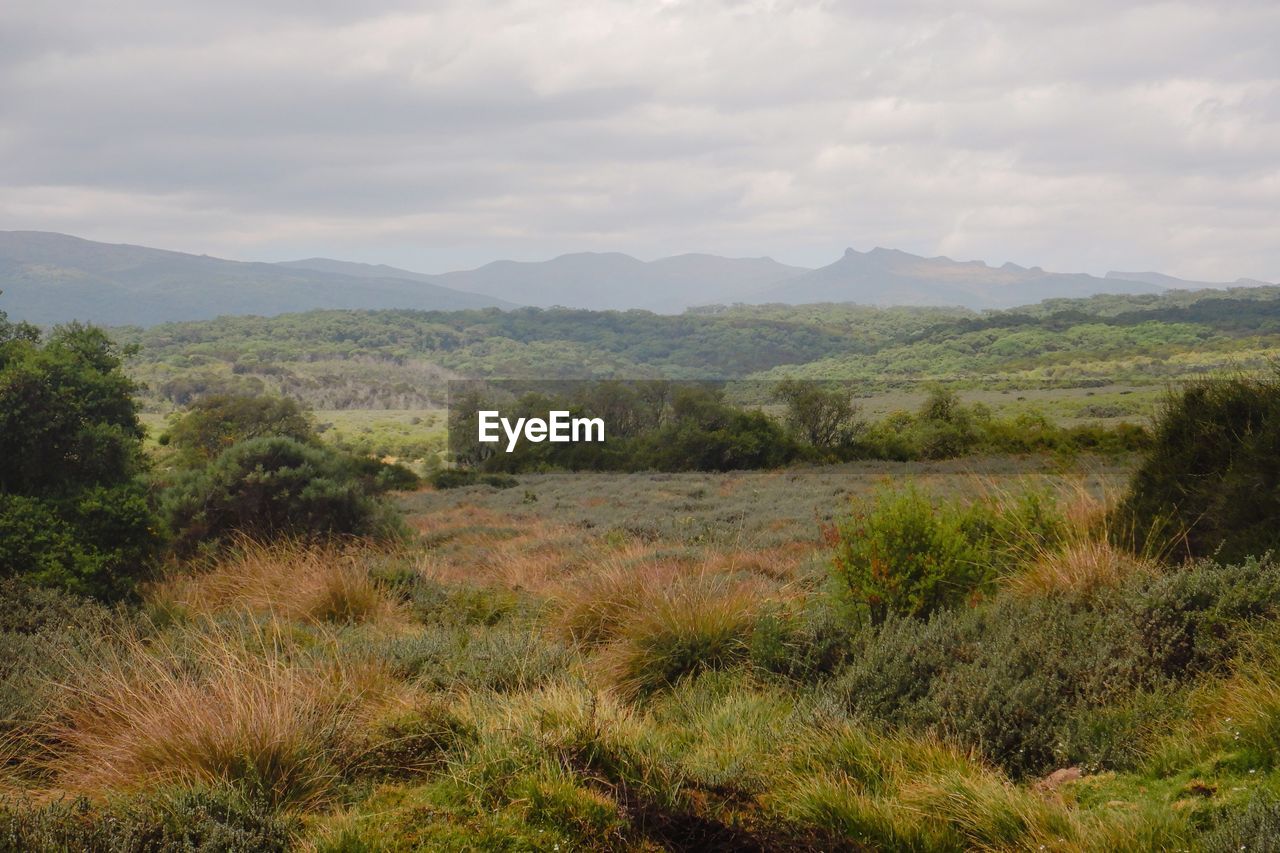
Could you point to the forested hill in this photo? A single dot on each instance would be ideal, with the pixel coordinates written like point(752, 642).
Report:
point(363, 359)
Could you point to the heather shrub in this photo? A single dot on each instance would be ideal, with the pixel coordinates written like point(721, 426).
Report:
point(1040, 681)
point(204, 820)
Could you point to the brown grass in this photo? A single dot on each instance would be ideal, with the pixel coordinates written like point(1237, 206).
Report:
point(593, 606)
point(287, 580)
point(1085, 568)
point(1088, 560)
point(216, 705)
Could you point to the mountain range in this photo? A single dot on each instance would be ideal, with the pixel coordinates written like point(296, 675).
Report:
point(50, 278)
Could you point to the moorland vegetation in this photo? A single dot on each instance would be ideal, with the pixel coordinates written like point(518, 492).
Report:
point(311, 650)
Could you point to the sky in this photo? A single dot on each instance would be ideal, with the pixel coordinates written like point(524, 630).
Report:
point(1082, 136)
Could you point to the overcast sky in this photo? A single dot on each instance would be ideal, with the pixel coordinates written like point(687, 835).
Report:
point(1089, 135)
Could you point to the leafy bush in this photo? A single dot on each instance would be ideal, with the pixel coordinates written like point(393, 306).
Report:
point(268, 487)
point(1213, 470)
point(905, 553)
point(215, 422)
point(73, 513)
point(1036, 682)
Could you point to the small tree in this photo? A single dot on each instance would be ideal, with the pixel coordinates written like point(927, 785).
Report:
point(215, 422)
point(73, 510)
point(825, 418)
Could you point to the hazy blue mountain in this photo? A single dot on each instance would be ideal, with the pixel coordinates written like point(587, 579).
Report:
point(892, 277)
point(50, 278)
point(612, 280)
point(53, 278)
point(1171, 283)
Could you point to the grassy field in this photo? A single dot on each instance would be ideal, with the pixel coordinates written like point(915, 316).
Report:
point(648, 662)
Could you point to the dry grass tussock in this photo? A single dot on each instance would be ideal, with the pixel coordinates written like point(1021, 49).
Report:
point(215, 705)
point(285, 579)
point(1089, 557)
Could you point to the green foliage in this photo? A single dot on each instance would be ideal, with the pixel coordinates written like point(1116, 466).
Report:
point(202, 821)
point(905, 553)
point(824, 418)
point(1037, 683)
point(1256, 827)
point(215, 422)
point(1212, 474)
point(72, 511)
point(267, 487)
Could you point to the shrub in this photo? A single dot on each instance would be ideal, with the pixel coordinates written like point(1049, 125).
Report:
point(73, 513)
point(215, 422)
point(201, 820)
point(1212, 473)
point(1037, 682)
point(43, 633)
point(268, 487)
point(1256, 827)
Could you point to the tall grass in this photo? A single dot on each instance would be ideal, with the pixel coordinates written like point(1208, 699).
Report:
point(700, 622)
point(1089, 555)
point(221, 704)
point(287, 579)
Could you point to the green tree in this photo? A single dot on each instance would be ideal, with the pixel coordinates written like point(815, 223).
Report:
point(823, 417)
point(215, 422)
point(73, 510)
point(271, 486)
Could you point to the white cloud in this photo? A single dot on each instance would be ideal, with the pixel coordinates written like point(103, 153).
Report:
point(1083, 136)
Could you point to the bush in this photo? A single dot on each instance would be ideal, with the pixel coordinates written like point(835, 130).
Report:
point(73, 513)
point(904, 553)
point(1212, 472)
point(1038, 682)
point(1254, 828)
point(203, 821)
point(269, 487)
point(217, 421)
point(1068, 679)
point(43, 633)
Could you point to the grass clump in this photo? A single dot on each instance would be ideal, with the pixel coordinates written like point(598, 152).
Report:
point(699, 623)
point(287, 579)
point(224, 707)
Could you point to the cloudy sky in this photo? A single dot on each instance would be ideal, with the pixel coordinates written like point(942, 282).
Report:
point(1089, 135)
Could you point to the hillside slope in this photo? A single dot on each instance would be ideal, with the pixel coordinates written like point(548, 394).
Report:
point(52, 278)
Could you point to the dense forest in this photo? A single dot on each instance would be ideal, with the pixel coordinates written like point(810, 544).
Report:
point(401, 359)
